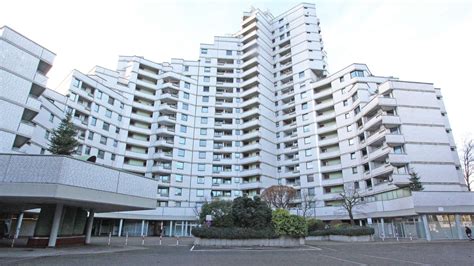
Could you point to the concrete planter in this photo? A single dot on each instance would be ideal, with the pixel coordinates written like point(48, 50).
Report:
point(366, 238)
point(277, 242)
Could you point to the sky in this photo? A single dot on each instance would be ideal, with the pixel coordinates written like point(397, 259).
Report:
point(427, 41)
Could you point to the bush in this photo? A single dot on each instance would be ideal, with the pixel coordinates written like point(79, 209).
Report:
point(286, 224)
point(345, 231)
point(315, 224)
point(221, 212)
point(251, 213)
point(341, 226)
point(233, 233)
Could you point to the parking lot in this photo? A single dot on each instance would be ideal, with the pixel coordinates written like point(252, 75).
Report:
point(314, 253)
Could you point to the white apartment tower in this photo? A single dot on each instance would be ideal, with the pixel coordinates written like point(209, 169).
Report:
point(257, 109)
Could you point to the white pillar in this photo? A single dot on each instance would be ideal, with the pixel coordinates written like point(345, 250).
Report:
point(383, 227)
point(186, 228)
point(171, 228)
point(120, 228)
point(53, 235)
point(19, 221)
point(90, 222)
point(360, 222)
point(459, 228)
point(426, 226)
point(143, 227)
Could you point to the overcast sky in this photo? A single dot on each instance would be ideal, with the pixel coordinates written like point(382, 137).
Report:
point(429, 41)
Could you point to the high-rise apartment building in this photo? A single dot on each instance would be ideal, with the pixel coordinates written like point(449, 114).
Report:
point(259, 109)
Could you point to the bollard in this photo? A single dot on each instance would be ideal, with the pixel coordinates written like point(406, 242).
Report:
point(177, 240)
point(143, 240)
point(397, 237)
point(110, 236)
point(411, 237)
point(126, 239)
point(161, 236)
point(13, 242)
point(383, 237)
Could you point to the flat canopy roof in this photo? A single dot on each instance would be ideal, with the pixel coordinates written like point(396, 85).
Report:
point(30, 181)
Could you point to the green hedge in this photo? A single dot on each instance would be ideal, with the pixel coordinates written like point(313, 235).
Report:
point(346, 231)
point(233, 233)
point(286, 224)
point(315, 224)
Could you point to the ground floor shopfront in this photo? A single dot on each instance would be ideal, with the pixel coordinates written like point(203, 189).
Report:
point(134, 227)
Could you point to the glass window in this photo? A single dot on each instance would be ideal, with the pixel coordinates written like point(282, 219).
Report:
point(115, 143)
point(180, 165)
point(103, 140)
point(185, 106)
point(200, 192)
point(178, 178)
point(201, 167)
point(76, 83)
point(178, 191)
point(307, 140)
point(351, 141)
point(182, 141)
point(203, 51)
point(204, 109)
point(184, 117)
point(309, 165)
point(186, 95)
point(306, 128)
point(181, 153)
point(108, 113)
point(93, 121)
point(301, 74)
point(203, 131)
point(99, 94)
point(304, 106)
point(357, 73)
point(207, 69)
point(353, 156)
point(354, 170)
point(96, 108)
point(202, 143)
point(119, 118)
point(202, 155)
point(91, 135)
point(112, 156)
point(205, 99)
point(308, 152)
point(187, 85)
point(200, 179)
point(183, 129)
point(101, 154)
point(111, 100)
point(349, 128)
point(207, 79)
point(228, 52)
point(106, 126)
point(203, 120)
point(305, 117)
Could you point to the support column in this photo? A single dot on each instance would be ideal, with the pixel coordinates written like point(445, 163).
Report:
point(53, 235)
point(120, 228)
point(360, 222)
point(171, 228)
point(459, 228)
point(383, 227)
point(186, 229)
point(90, 222)
point(19, 221)
point(143, 227)
point(424, 218)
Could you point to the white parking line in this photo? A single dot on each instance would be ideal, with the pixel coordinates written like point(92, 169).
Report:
point(385, 258)
point(253, 250)
point(350, 261)
point(192, 248)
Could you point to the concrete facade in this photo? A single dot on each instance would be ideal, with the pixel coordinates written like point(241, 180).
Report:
point(257, 109)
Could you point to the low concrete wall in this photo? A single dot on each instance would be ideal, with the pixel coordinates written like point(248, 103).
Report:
point(277, 242)
point(341, 238)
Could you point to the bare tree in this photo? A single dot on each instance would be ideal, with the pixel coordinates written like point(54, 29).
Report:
point(350, 199)
point(279, 196)
point(468, 161)
point(307, 203)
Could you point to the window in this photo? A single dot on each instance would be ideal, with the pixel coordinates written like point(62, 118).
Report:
point(115, 143)
point(205, 99)
point(307, 140)
point(117, 130)
point(186, 68)
point(351, 141)
point(182, 141)
point(349, 128)
point(96, 108)
point(183, 129)
point(341, 79)
point(200, 192)
point(303, 95)
point(186, 95)
point(306, 128)
point(185, 106)
point(308, 152)
point(91, 135)
point(178, 178)
point(207, 79)
point(345, 102)
point(180, 165)
point(203, 51)
point(305, 117)
point(202, 143)
point(203, 131)
point(228, 52)
point(237, 132)
point(398, 149)
point(108, 113)
point(112, 156)
point(357, 73)
point(205, 89)
point(103, 140)
point(111, 100)
point(201, 167)
point(311, 191)
point(304, 106)
point(184, 117)
point(87, 150)
point(119, 117)
point(122, 105)
point(207, 69)
point(203, 120)
point(301, 74)
point(93, 121)
point(99, 94)
point(181, 152)
point(202, 155)
point(187, 85)
point(76, 83)
point(177, 204)
point(354, 170)
point(200, 179)
point(51, 117)
point(310, 178)
point(309, 165)
point(347, 115)
point(106, 126)
point(207, 60)
point(178, 191)
point(353, 155)
point(204, 109)
point(101, 154)
point(46, 134)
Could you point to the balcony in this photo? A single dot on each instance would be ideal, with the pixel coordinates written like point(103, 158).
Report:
point(380, 101)
point(329, 154)
point(167, 107)
point(328, 140)
point(33, 103)
point(40, 79)
point(398, 158)
point(330, 167)
point(26, 128)
point(143, 118)
point(251, 172)
point(400, 180)
point(384, 169)
point(250, 147)
point(164, 143)
point(394, 139)
point(323, 104)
